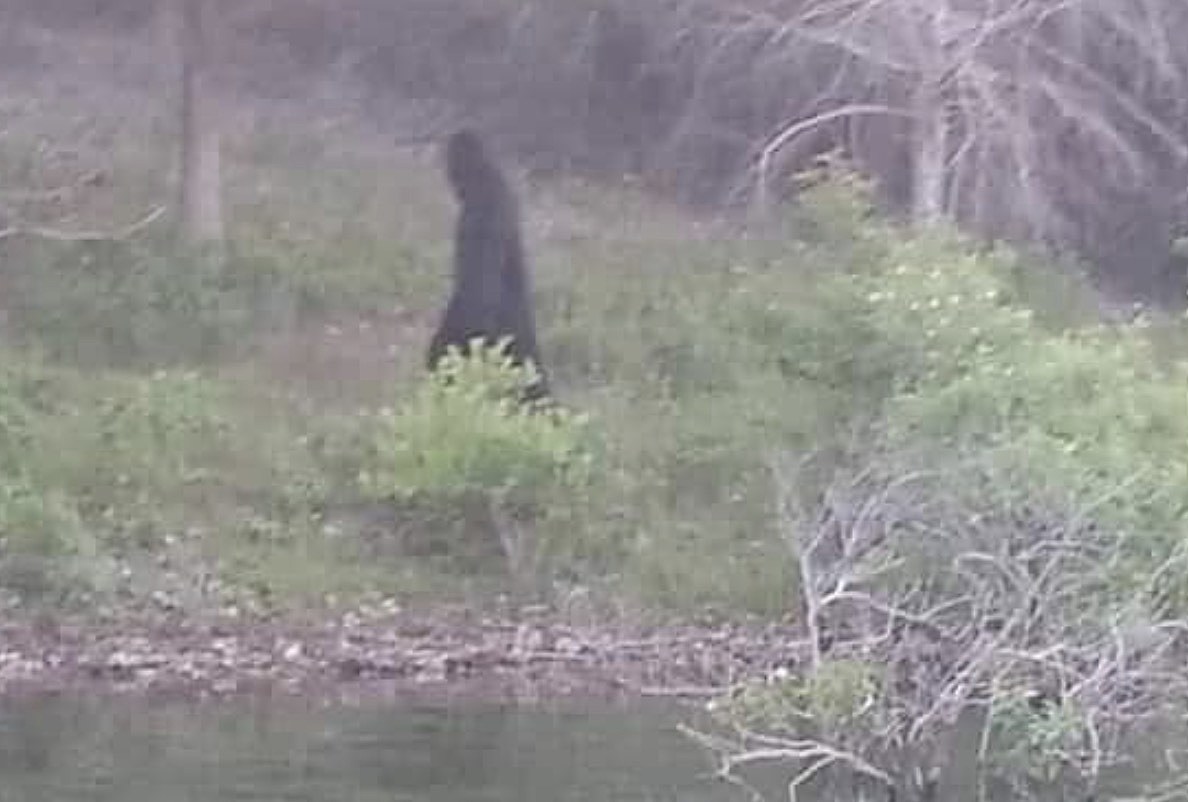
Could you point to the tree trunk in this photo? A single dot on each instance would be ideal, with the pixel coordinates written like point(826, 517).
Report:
point(201, 182)
point(930, 162)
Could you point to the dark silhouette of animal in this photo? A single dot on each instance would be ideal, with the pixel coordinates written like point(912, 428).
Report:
point(491, 296)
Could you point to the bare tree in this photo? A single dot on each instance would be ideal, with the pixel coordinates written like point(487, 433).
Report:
point(950, 643)
point(201, 181)
point(1040, 120)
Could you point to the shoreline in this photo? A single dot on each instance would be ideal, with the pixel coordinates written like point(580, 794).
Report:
point(439, 655)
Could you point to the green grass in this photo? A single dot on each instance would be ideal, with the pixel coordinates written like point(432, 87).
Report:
point(161, 410)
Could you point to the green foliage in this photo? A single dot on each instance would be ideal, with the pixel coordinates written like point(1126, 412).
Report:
point(926, 343)
point(835, 696)
point(938, 313)
point(156, 423)
point(698, 352)
point(349, 271)
point(1084, 419)
point(36, 522)
point(140, 448)
point(696, 358)
point(463, 431)
point(99, 467)
point(1033, 742)
point(136, 302)
point(1003, 435)
point(836, 207)
point(45, 550)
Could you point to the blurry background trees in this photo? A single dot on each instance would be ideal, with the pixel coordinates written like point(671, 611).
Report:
point(200, 207)
point(1061, 125)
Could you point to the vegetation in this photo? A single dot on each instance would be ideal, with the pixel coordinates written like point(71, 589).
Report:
point(693, 366)
point(990, 570)
point(915, 446)
point(1044, 122)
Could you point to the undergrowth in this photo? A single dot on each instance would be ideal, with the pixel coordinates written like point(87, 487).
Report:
point(139, 413)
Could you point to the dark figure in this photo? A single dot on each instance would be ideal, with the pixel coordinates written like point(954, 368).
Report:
point(491, 296)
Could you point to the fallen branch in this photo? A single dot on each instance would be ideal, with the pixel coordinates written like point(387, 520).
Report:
point(92, 178)
point(681, 691)
point(57, 235)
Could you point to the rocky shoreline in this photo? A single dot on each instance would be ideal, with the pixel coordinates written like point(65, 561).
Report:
point(423, 654)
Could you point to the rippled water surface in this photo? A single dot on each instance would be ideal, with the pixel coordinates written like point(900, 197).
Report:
point(122, 750)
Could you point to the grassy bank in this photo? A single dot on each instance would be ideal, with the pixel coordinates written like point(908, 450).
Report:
point(926, 457)
point(164, 411)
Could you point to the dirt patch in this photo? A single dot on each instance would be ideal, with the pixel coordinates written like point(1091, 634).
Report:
point(394, 653)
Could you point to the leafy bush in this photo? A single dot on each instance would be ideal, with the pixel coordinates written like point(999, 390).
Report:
point(1084, 419)
point(463, 431)
point(465, 461)
point(1014, 485)
point(925, 341)
point(97, 467)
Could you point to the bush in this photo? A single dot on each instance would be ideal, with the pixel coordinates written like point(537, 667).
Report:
point(1083, 419)
point(926, 343)
point(463, 453)
point(1013, 513)
point(947, 602)
point(99, 467)
point(463, 431)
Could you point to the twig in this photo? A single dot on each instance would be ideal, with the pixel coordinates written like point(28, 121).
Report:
point(57, 235)
point(686, 691)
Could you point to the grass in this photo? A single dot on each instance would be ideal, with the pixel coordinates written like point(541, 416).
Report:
point(163, 412)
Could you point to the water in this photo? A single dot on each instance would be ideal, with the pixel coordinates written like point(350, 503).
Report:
point(121, 750)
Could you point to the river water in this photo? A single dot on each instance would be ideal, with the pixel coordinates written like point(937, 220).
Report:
point(122, 750)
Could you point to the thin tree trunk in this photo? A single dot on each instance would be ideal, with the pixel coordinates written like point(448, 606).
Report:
point(929, 171)
point(201, 180)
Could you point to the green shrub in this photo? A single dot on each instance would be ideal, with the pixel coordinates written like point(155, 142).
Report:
point(1084, 419)
point(1029, 744)
point(832, 697)
point(938, 312)
point(463, 431)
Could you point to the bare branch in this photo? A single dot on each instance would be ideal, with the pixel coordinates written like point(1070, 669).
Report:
point(57, 235)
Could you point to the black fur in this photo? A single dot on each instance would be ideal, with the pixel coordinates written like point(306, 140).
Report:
point(491, 296)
